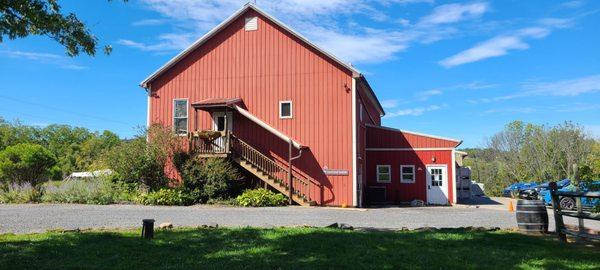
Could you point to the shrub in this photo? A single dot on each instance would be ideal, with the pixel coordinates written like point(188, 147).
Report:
point(213, 178)
point(260, 197)
point(19, 193)
point(142, 160)
point(168, 196)
point(26, 163)
point(94, 191)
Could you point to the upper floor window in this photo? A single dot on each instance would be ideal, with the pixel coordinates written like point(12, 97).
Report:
point(285, 109)
point(407, 174)
point(180, 116)
point(384, 174)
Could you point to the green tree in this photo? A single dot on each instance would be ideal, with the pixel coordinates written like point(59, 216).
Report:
point(26, 163)
point(92, 148)
point(21, 18)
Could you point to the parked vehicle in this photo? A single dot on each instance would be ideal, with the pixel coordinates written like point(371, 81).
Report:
point(568, 203)
point(514, 189)
point(535, 193)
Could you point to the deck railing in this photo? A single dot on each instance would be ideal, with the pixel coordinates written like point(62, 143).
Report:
point(205, 146)
point(580, 214)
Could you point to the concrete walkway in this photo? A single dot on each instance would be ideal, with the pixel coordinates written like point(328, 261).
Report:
point(24, 218)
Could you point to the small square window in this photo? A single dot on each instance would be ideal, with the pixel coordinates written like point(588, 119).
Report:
point(407, 174)
point(384, 174)
point(285, 109)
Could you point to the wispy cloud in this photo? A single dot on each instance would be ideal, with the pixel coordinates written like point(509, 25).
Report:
point(44, 58)
point(167, 42)
point(570, 87)
point(572, 4)
point(329, 24)
point(425, 95)
point(503, 44)
point(389, 103)
point(414, 111)
point(523, 110)
point(452, 13)
point(562, 88)
point(149, 22)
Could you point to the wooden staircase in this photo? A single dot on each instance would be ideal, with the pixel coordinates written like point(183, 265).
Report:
point(274, 174)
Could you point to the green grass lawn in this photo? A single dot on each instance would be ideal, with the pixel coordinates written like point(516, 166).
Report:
point(291, 248)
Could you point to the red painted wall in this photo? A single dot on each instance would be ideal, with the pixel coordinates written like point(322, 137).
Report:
point(393, 139)
point(264, 67)
point(397, 192)
point(385, 138)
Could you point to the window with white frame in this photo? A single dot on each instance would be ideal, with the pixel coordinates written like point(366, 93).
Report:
point(384, 173)
point(407, 174)
point(180, 116)
point(285, 109)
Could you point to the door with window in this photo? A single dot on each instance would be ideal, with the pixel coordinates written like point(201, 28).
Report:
point(221, 120)
point(437, 184)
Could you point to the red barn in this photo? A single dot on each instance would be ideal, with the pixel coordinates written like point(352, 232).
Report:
point(277, 101)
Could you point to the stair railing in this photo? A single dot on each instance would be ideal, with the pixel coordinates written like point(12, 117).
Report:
point(301, 184)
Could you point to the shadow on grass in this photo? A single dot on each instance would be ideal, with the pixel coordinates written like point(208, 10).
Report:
point(292, 248)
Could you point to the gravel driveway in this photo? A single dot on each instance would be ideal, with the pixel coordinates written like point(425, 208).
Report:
point(25, 218)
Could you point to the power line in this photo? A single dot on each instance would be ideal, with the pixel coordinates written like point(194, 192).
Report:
point(65, 111)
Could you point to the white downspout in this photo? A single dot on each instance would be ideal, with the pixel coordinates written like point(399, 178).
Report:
point(354, 146)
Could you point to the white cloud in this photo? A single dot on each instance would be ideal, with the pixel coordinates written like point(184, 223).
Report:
point(167, 42)
point(328, 23)
point(149, 22)
point(425, 95)
point(45, 58)
point(452, 13)
point(413, 111)
point(562, 88)
point(494, 47)
point(572, 4)
point(389, 103)
point(570, 87)
point(505, 43)
point(512, 110)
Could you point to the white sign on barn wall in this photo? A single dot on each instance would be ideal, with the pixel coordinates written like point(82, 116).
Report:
point(334, 172)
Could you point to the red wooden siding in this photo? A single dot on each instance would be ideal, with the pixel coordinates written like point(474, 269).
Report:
point(386, 138)
point(397, 192)
point(264, 67)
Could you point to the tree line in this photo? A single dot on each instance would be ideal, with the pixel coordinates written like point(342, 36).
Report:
point(526, 152)
point(73, 148)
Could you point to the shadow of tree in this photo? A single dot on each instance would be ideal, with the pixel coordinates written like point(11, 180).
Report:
point(291, 248)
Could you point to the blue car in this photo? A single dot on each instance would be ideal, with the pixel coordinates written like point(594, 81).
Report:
point(568, 203)
point(516, 187)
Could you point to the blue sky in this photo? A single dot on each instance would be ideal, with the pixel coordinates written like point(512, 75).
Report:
point(450, 68)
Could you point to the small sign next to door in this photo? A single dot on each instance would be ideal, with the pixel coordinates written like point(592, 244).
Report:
point(335, 172)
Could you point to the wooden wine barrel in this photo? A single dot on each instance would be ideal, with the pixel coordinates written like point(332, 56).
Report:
point(532, 216)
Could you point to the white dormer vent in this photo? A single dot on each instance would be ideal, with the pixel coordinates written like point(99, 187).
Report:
point(251, 24)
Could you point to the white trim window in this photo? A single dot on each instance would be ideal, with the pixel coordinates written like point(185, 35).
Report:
point(180, 116)
point(285, 109)
point(407, 174)
point(384, 174)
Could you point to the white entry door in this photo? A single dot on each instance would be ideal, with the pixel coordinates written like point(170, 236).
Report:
point(219, 123)
point(437, 184)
